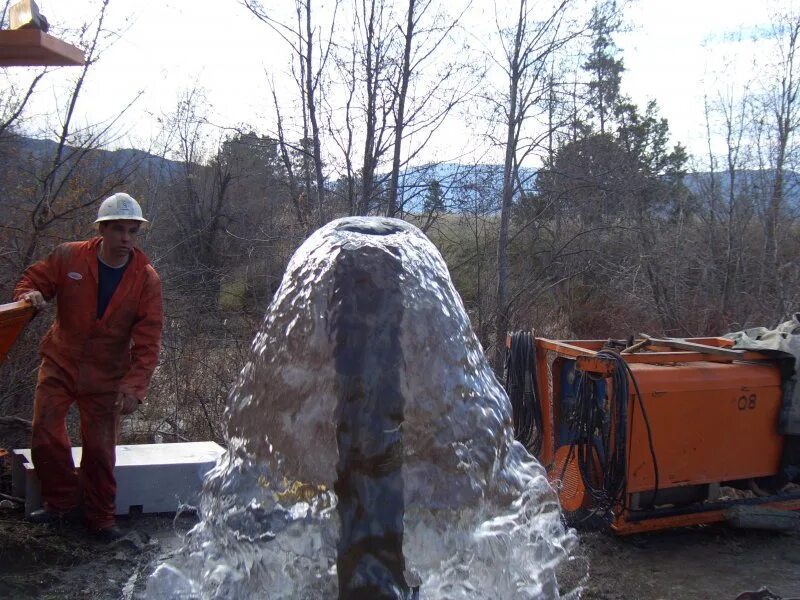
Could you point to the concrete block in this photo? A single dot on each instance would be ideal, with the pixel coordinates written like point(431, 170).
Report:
point(151, 477)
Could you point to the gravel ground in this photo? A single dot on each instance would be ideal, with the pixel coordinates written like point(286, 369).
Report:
point(703, 563)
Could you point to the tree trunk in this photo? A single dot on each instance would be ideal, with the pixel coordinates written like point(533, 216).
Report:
point(312, 115)
point(401, 104)
point(501, 318)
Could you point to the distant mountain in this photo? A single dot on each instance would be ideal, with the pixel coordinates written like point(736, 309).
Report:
point(476, 186)
point(749, 183)
point(454, 186)
point(459, 184)
point(44, 149)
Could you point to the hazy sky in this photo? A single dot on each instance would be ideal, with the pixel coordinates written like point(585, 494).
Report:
point(681, 50)
point(675, 52)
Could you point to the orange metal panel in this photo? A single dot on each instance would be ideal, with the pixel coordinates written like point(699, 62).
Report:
point(545, 398)
point(576, 348)
point(593, 364)
point(710, 422)
point(568, 480)
point(622, 526)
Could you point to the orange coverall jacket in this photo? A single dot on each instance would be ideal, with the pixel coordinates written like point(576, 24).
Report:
point(117, 353)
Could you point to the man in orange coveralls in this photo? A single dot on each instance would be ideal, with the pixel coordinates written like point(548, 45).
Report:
point(100, 353)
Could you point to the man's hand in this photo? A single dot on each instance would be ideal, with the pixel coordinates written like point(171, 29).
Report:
point(125, 404)
point(34, 297)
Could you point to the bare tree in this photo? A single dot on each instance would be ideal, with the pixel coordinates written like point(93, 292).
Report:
point(782, 104)
point(13, 101)
point(344, 136)
point(304, 39)
point(374, 20)
point(198, 186)
point(396, 86)
point(367, 64)
point(424, 34)
point(297, 197)
point(402, 93)
point(735, 114)
point(527, 46)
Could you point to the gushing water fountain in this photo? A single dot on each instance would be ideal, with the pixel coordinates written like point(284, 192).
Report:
point(370, 447)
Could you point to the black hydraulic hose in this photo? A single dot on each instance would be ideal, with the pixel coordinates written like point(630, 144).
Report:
point(521, 382)
point(593, 427)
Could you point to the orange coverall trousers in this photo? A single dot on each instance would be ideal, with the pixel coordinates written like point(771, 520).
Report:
point(63, 488)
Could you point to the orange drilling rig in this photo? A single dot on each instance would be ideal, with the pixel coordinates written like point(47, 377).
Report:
point(647, 434)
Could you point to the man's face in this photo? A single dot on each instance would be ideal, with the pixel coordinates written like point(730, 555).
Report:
point(119, 237)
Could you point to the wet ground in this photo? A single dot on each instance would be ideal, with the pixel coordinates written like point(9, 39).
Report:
point(713, 562)
point(64, 563)
point(710, 562)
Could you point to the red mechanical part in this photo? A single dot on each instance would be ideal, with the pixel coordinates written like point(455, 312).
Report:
point(568, 480)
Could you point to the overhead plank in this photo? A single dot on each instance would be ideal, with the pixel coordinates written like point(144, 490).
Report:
point(34, 48)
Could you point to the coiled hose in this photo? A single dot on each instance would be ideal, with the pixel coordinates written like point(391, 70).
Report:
point(600, 430)
point(521, 381)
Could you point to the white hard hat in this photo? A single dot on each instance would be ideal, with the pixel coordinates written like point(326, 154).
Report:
point(119, 207)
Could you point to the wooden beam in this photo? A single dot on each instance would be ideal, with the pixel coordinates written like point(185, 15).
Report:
point(34, 48)
point(13, 318)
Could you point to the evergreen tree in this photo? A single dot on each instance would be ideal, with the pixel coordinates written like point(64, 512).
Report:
point(603, 65)
point(434, 199)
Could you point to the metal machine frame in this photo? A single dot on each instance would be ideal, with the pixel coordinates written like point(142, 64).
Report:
point(659, 352)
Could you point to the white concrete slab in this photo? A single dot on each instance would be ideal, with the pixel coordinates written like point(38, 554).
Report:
point(152, 477)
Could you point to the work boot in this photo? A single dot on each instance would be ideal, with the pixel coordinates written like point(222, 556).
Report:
point(112, 533)
point(45, 516)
